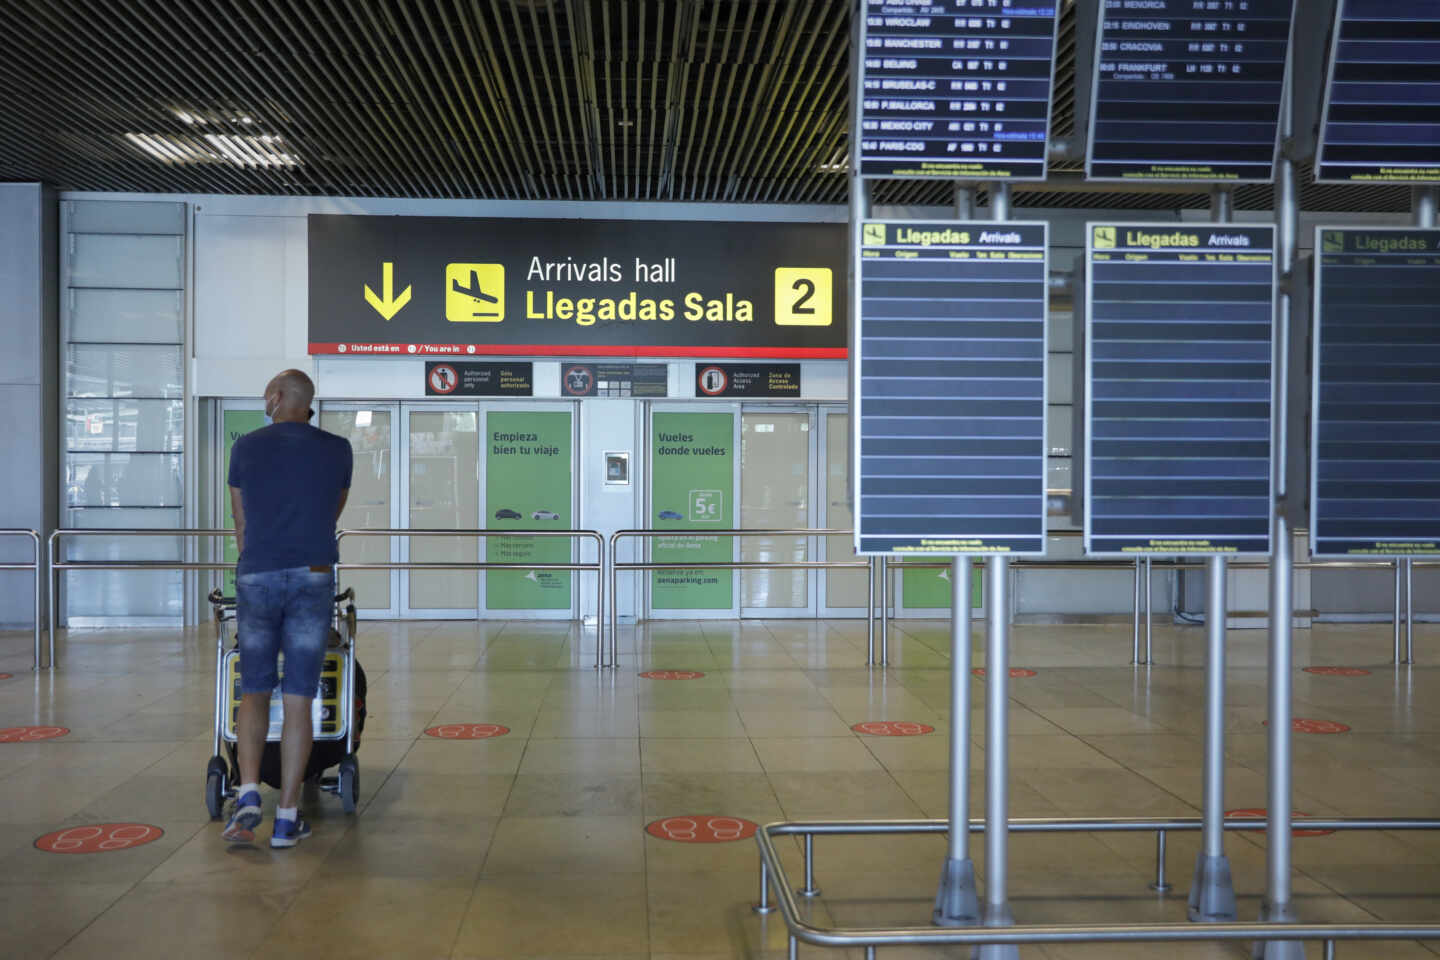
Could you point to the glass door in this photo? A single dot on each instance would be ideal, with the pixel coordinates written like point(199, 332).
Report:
point(842, 592)
point(441, 491)
point(373, 504)
point(693, 476)
point(777, 454)
point(529, 484)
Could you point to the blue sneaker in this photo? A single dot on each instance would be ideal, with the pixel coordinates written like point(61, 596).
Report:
point(288, 833)
point(247, 816)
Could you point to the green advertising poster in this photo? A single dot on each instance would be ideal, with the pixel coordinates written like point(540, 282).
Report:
point(235, 424)
point(930, 589)
point(692, 488)
point(527, 487)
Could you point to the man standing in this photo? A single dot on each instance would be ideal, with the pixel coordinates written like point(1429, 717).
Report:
point(288, 484)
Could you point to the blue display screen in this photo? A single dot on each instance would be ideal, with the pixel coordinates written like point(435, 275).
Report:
point(950, 391)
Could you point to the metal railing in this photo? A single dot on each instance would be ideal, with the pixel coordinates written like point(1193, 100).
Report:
point(34, 567)
point(773, 876)
point(616, 566)
point(575, 536)
point(1141, 609)
point(55, 566)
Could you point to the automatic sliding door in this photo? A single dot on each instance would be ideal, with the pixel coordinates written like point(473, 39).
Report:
point(844, 591)
point(776, 449)
point(529, 457)
point(442, 492)
point(693, 476)
point(372, 502)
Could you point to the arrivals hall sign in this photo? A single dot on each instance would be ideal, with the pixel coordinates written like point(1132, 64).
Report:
point(450, 286)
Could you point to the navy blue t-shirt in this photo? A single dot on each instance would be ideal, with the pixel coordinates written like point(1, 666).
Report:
point(290, 477)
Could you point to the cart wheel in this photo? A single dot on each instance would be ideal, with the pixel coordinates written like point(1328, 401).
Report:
point(215, 775)
point(349, 783)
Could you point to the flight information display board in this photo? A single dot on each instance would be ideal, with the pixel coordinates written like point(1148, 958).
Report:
point(1179, 354)
point(1375, 432)
point(1188, 90)
point(949, 442)
point(1381, 118)
point(956, 88)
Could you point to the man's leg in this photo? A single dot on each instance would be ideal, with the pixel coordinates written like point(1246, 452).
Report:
point(309, 605)
point(295, 746)
point(257, 623)
point(251, 727)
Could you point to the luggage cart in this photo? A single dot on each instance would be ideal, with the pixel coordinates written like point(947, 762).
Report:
point(333, 709)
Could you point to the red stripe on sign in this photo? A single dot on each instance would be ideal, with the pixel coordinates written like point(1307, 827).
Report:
point(576, 350)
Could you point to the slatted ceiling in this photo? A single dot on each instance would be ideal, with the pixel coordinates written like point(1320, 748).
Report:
point(741, 101)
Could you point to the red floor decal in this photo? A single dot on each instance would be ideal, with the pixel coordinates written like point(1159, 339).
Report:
point(467, 731)
point(1306, 725)
point(6, 676)
point(893, 728)
point(701, 829)
point(1259, 813)
point(99, 838)
point(1016, 673)
point(1338, 671)
point(671, 675)
point(31, 734)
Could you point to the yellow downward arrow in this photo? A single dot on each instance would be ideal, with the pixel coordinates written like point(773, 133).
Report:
point(389, 305)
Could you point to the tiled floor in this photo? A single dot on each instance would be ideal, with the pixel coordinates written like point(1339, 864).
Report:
point(534, 845)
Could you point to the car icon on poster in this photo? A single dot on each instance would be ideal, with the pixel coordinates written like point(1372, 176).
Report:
point(504, 513)
point(544, 515)
point(671, 515)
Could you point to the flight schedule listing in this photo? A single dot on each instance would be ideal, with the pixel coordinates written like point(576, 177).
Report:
point(1375, 443)
point(1381, 121)
point(950, 435)
point(956, 88)
point(1179, 353)
point(1188, 90)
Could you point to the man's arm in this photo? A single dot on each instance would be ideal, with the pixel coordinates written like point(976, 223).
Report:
point(237, 509)
point(340, 507)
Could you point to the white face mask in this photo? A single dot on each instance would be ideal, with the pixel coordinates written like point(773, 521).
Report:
point(269, 414)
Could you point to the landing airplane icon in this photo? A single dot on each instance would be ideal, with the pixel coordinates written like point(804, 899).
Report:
point(474, 291)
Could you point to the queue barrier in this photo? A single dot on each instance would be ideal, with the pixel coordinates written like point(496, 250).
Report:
point(575, 536)
point(773, 876)
point(34, 567)
point(616, 566)
point(57, 565)
point(1141, 611)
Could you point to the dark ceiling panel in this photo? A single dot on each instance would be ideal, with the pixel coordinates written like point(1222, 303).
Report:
point(741, 101)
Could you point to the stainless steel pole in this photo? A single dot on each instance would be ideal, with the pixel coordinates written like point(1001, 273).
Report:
point(1395, 619)
point(1212, 891)
point(870, 613)
point(997, 756)
point(1276, 904)
point(957, 903)
point(964, 201)
point(884, 611)
point(53, 576)
point(35, 544)
point(1149, 618)
point(1409, 611)
point(1135, 618)
point(1423, 203)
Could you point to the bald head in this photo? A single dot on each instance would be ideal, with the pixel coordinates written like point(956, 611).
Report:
point(288, 396)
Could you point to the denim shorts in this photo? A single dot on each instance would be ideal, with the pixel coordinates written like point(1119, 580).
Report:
point(283, 611)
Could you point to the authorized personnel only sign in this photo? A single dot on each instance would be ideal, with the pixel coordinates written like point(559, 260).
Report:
point(452, 286)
